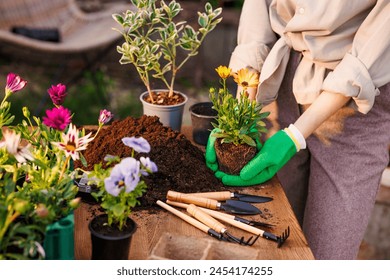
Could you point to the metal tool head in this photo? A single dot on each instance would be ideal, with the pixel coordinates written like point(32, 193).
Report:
point(282, 238)
point(260, 224)
point(241, 240)
point(240, 207)
point(252, 198)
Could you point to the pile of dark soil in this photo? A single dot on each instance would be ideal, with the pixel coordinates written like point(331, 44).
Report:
point(181, 165)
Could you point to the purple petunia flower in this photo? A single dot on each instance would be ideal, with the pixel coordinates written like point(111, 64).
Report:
point(57, 94)
point(14, 83)
point(57, 118)
point(124, 176)
point(140, 144)
point(105, 116)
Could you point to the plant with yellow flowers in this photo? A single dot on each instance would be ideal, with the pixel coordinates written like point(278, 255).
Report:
point(239, 120)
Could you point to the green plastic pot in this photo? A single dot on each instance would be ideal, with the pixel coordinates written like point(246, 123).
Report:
point(59, 239)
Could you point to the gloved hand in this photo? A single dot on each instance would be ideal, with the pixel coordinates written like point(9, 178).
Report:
point(211, 162)
point(277, 151)
point(210, 155)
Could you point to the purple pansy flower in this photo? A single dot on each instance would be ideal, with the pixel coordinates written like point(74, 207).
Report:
point(140, 144)
point(57, 94)
point(149, 165)
point(57, 118)
point(124, 176)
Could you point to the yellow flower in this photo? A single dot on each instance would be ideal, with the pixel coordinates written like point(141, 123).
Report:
point(223, 71)
point(246, 78)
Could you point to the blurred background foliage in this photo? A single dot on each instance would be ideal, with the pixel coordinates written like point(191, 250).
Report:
point(109, 85)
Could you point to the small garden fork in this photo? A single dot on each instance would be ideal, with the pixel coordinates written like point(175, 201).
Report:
point(208, 220)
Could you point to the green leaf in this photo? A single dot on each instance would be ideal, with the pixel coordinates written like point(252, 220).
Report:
point(203, 20)
point(248, 140)
point(118, 18)
point(118, 209)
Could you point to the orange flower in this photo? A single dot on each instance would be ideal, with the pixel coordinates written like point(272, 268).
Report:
point(223, 71)
point(246, 78)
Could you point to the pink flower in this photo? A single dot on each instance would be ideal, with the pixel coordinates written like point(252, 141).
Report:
point(105, 116)
point(57, 94)
point(14, 83)
point(57, 118)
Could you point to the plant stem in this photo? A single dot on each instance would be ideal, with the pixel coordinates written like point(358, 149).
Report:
point(64, 168)
point(10, 218)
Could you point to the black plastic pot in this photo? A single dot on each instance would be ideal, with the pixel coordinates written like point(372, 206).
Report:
point(113, 244)
point(202, 115)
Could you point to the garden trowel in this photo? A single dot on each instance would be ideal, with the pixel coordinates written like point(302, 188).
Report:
point(230, 206)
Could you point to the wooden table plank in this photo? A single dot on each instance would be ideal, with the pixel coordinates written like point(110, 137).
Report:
point(153, 224)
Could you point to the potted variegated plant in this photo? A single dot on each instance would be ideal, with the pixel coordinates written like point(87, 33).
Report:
point(159, 45)
point(239, 122)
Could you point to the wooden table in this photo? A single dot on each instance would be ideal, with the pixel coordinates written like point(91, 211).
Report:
point(153, 225)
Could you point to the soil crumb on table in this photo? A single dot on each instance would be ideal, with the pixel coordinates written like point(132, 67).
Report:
point(181, 165)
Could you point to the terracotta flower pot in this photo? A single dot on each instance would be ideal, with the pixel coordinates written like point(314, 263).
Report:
point(231, 158)
point(169, 115)
point(110, 243)
point(202, 115)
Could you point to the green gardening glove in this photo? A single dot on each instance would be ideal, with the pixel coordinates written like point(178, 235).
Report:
point(210, 155)
point(277, 151)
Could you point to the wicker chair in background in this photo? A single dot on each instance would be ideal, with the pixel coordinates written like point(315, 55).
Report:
point(88, 35)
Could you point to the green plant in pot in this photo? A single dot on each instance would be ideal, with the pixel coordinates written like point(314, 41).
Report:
point(119, 186)
point(235, 139)
point(159, 45)
point(37, 189)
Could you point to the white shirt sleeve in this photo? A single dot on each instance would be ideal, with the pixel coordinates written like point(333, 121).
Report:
point(255, 36)
point(365, 67)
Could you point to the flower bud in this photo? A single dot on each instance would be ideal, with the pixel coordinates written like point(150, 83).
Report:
point(74, 203)
point(26, 112)
point(14, 83)
point(41, 211)
point(105, 116)
point(5, 105)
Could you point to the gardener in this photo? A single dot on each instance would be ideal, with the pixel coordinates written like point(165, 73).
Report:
point(326, 63)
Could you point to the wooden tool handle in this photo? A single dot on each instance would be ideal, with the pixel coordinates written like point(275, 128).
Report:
point(183, 216)
point(223, 217)
point(208, 211)
point(235, 223)
point(220, 196)
point(190, 199)
point(206, 218)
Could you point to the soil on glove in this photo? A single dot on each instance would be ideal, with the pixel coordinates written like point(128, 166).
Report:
point(181, 165)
